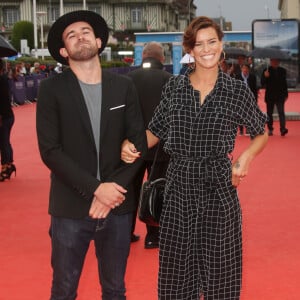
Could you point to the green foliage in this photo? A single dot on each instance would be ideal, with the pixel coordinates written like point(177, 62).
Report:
point(32, 60)
point(22, 30)
point(114, 47)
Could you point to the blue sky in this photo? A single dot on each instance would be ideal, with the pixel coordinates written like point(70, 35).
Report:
point(240, 12)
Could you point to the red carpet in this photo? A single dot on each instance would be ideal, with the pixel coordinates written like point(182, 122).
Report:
point(271, 224)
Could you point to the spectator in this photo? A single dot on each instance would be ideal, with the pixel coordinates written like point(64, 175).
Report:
point(23, 70)
point(149, 80)
point(235, 69)
point(250, 81)
point(16, 71)
point(35, 69)
point(224, 66)
point(274, 80)
point(7, 119)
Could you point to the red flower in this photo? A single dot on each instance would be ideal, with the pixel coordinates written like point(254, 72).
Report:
point(128, 60)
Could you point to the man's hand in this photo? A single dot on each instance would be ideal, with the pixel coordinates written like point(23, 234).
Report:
point(110, 194)
point(98, 210)
point(267, 73)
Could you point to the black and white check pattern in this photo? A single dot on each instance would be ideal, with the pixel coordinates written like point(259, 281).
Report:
point(200, 229)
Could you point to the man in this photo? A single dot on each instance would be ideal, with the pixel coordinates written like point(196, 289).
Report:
point(235, 69)
point(7, 119)
point(149, 80)
point(250, 80)
point(83, 115)
point(274, 80)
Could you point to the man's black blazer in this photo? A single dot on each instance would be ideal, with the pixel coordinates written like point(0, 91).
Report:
point(67, 145)
point(149, 83)
point(251, 82)
point(276, 84)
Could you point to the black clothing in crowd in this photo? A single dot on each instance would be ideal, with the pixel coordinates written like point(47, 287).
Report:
point(7, 120)
point(274, 80)
point(149, 80)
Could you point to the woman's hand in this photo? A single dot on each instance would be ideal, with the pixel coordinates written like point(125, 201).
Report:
point(129, 153)
point(241, 166)
point(238, 173)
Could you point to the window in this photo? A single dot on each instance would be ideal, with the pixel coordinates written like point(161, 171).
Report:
point(11, 15)
point(136, 17)
point(53, 14)
point(95, 9)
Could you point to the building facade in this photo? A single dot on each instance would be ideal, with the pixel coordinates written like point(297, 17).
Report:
point(290, 9)
point(124, 17)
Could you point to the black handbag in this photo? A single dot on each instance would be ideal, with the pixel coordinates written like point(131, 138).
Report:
point(151, 198)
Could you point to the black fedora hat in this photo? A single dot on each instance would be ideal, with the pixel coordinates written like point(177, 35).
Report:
point(55, 41)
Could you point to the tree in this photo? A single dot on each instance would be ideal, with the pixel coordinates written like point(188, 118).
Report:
point(22, 30)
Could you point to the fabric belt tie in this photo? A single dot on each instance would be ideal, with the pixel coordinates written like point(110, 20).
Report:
point(211, 176)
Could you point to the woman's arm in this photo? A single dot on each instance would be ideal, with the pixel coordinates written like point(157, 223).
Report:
point(152, 140)
point(241, 166)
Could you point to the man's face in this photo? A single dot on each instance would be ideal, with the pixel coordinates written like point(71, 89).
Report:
point(241, 59)
point(274, 62)
point(245, 70)
point(80, 42)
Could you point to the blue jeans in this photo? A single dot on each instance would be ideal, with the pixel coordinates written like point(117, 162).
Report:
point(70, 242)
point(6, 149)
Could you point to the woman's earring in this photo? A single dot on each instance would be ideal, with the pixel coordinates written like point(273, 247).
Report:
point(191, 62)
point(224, 55)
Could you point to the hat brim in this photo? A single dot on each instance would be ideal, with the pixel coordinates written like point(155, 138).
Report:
point(55, 42)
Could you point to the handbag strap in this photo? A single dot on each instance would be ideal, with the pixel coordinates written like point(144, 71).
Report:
point(154, 161)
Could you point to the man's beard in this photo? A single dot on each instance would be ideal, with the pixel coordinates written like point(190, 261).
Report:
point(83, 52)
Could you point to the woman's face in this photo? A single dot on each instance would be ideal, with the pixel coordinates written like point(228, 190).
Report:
point(207, 49)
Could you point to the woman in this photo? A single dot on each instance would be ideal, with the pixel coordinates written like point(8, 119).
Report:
point(6, 122)
point(198, 117)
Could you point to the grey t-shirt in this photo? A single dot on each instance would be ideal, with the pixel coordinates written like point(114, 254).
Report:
point(92, 94)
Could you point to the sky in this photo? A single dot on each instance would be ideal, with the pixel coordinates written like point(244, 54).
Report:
point(240, 12)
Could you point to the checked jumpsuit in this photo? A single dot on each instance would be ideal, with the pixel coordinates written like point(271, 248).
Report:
point(200, 226)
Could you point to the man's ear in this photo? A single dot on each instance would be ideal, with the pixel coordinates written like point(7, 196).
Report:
point(63, 52)
point(99, 42)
